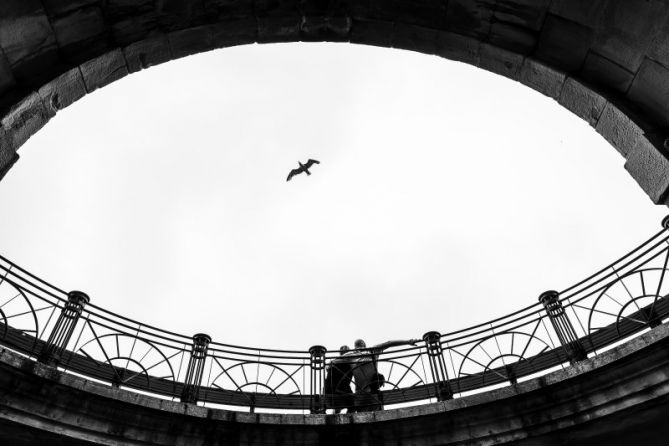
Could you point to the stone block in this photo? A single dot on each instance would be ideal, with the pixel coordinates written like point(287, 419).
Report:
point(62, 91)
point(542, 78)
point(126, 31)
point(189, 41)
point(471, 18)
point(279, 29)
point(512, 37)
point(415, 38)
point(425, 13)
point(377, 33)
point(619, 129)
point(582, 101)
point(147, 53)
point(104, 70)
point(116, 9)
point(7, 80)
point(500, 61)
point(59, 7)
point(650, 91)
point(336, 8)
point(81, 34)
point(563, 43)
point(277, 8)
point(587, 13)
point(524, 13)
point(233, 32)
point(24, 119)
point(8, 155)
point(599, 70)
point(650, 168)
point(27, 38)
point(329, 29)
point(458, 47)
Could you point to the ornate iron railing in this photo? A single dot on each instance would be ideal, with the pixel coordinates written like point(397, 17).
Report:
point(65, 330)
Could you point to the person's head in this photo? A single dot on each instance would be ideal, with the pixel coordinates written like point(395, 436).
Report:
point(360, 344)
point(343, 349)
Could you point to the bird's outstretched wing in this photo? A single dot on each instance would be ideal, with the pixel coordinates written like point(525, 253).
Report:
point(311, 162)
point(293, 173)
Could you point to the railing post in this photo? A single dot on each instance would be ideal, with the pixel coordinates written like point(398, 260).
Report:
point(435, 354)
point(193, 380)
point(563, 328)
point(62, 332)
point(317, 364)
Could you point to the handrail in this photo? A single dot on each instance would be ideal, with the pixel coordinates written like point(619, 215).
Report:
point(620, 300)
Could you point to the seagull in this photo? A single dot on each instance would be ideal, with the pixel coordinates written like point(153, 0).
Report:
point(302, 168)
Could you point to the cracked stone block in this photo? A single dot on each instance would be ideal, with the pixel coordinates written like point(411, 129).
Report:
point(542, 78)
point(582, 101)
point(602, 71)
point(415, 38)
point(500, 61)
point(104, 70)
point(24, 119)
point(147, 53)
point(279, 29)
point(81, 34)
point(329, 29)
point(619, 129)
point(650, 90)
point(470, 18)
point(377, 33)
point(458, 47)
point(524, 13)
point(650, 168)
point(27, 38)
point(563, 43)
point(63, 91)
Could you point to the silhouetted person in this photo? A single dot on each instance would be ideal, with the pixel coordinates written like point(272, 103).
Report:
point(338, 382)
point(368, 380)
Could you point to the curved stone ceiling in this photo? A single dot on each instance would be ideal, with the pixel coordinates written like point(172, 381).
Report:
point(605, 60)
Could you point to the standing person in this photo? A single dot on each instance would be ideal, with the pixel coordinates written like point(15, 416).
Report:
point(368, 380)
point(338, 382)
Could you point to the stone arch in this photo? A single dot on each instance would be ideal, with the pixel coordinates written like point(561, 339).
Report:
point(605, 60)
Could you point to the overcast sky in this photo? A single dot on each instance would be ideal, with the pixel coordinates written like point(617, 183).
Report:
point(446, 196)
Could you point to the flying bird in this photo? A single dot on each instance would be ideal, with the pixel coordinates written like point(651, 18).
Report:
point(302, 168)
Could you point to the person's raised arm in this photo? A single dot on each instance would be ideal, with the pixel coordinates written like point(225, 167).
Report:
point(385, 345)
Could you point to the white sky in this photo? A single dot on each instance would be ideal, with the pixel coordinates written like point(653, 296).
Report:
point(446, 196)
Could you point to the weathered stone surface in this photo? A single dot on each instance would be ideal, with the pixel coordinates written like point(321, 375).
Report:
point(586, 13)
point(325, 29)
point(57, 8)
point(132, 29)
point(104, 70)
point(24, 119)
point(27, 38)
point(424, 13)
point(599, 70)
point(523, 13)
point(542, 78)
point(500, 61)
point(279, 29)
point(650, 90)
point(63, 91)
point(618, 129)
point(81, 34)
point(233, 32)
point(7, 80)
point(147, 53)
point(458, 47)
point(650, 168)
point(470, 18)
point(563, 43)
point(512, 37)
point(8, 156)
point(376, 33)
point(582, 101)
point(416, 38)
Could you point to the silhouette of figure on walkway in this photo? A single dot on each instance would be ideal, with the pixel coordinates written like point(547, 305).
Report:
point(302, 168)
point(338, 382)
point(368, 380)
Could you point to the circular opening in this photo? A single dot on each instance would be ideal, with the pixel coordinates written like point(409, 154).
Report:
point(445, 196)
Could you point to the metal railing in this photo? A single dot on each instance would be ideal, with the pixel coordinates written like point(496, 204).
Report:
point(66, 330)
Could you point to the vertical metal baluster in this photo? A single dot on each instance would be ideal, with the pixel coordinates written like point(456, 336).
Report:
point(562, 325)
point(317, 365)
point(195, 370)
point(435, 354)
point(62, 331)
